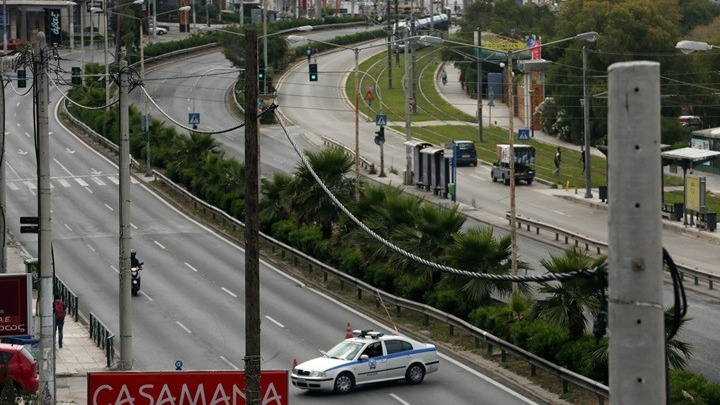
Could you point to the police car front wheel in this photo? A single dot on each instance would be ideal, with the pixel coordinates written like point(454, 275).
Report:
point(344, 383)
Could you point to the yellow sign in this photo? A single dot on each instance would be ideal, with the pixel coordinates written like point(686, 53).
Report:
point(692, 193)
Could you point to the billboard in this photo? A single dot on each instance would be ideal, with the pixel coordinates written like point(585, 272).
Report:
point(15, 304)
point(183, 387)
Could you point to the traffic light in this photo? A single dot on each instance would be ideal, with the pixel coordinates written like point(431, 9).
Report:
point(261, 73)
point(313, 72)
point(21, 78)
point(380, 138)
point(76, 79)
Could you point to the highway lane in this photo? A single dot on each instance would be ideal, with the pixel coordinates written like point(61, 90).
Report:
point(192, 306)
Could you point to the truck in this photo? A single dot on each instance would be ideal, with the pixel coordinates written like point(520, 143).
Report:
point(524, 164)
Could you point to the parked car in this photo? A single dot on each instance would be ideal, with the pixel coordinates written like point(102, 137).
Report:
point(467, 155)
point(692, 121)
point(17, 363)
point(368, 357)
point(158, 30)
point(13, 44)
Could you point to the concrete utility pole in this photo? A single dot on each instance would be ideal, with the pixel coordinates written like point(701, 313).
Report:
point(408, 128)
point(635, 290)
point(3, 205)
point(478, 61)
point(511, 162)
point(125, 305)
point(47, 321)
point(252, 224)
point(389, 49)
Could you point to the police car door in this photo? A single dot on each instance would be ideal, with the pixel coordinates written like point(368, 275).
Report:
point(399, 354)
point(374, 368)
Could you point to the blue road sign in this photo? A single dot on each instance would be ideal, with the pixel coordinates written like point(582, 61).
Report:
point(380, 120)
point(194, 118)
point(524, 134)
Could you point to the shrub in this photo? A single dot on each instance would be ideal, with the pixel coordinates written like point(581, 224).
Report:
point(687, 387)
point(574, 355)
point(488, 317)
point(539, 337)
point(281, 230)
point(448, 300)
point(413, 288)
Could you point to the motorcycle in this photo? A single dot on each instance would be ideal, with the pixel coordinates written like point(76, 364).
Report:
point(135, 279)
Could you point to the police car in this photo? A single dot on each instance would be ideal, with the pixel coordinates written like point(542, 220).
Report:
point(366, 358)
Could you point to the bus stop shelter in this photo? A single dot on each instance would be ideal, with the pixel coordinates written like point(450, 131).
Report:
point(687, 158)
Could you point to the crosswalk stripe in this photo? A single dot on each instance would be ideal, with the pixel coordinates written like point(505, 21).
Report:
point(13, 186)
point(113, 179)
point(98, 181)
point(64, 183)
point(81, 182)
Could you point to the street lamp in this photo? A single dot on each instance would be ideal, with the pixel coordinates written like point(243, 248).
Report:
point(71, 19)
point(586, 36)
point(687, 46)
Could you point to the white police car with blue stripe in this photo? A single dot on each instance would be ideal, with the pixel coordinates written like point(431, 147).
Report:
point(368, 357)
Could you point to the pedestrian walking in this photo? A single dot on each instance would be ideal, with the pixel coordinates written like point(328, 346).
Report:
point(443, 76)
point(462, 81)
point(308, 52)
point(59, 310)
point(582, 159)
point(557, 160)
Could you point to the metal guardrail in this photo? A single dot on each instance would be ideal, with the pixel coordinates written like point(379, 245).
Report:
point(568, 377)
point(602, 247)
point(103, 337)
point(364, 162)
point(67, 295)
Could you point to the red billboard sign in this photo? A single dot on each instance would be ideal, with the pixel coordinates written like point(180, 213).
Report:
point(15, 304)
point(183, 388)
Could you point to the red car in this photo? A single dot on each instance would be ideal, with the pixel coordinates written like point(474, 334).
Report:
point(17, 363)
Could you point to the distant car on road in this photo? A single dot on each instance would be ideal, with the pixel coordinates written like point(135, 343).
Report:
point(13, 44)
point(466, 153)
point(17, 363)
point(368, 357)
point(159, 30)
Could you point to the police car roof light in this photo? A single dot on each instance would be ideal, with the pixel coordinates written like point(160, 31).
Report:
point(375, 335)
point(361, 333)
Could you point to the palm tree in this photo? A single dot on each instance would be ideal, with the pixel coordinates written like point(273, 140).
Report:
point(306, 199)
point(476, 250)
point(189, 150)
point(570, 302)
point(271, 201)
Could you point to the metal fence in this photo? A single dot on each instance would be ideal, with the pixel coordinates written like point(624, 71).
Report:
point(600, 247)
point(103, 337)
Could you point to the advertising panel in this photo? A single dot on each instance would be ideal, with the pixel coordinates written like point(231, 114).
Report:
point(15, 305)
point(183, 387)
point(692, 193)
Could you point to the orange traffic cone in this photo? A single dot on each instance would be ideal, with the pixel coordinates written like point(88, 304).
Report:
point(348, 331)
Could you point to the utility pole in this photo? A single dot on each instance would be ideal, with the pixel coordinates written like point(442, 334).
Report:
point(635, 282)
point(511, 162)
point(389, 49)
point(47, 321)
point(413, 32)
point(478, 61)
point(408, 128)
point(125, 305)
point(252, 224)
point(3, 205)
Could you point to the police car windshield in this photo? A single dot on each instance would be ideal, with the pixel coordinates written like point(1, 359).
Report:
point(345, 350)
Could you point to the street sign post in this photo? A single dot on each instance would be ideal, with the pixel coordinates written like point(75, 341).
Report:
point(194, 118)
point(524, 134)
point(380, 120)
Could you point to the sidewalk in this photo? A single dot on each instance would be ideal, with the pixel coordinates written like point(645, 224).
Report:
point(500, 117)
point(79, 354)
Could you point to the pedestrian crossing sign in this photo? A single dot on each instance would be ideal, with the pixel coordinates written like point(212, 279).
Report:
point(380, 120)
point(194, 118)
point(524, 134)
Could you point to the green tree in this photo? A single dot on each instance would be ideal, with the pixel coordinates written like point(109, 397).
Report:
point(570, 302)
point(305, 198)
point(189, 151)
point(477, 250)
point(271, 200)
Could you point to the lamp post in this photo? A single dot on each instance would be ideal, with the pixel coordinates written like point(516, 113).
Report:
point(587, 36)
point(586, 124)
point(71, 17)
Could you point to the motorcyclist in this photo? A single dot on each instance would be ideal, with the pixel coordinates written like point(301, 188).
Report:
point(134, 261)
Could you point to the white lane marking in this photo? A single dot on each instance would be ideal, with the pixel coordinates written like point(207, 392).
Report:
point(397, 398)
point(115, 269)
point(63, 167)
point(89, 190)
point(183, 326)
point(64, 183)
point(161, 246)
point(133, 181)
point(12, 169)
point(234, 367)
point(274, 321)
point(26, 134)
point(133, 225)
point(560, 213)
point(31, 185)
point(81, 182)
point(90, 247)
point(98, 181)
point(109, 207)
point(68, 227)
point(13, 186)
point(230, 293)
point(113, 179)
point(191, 267)
point(146, 296)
